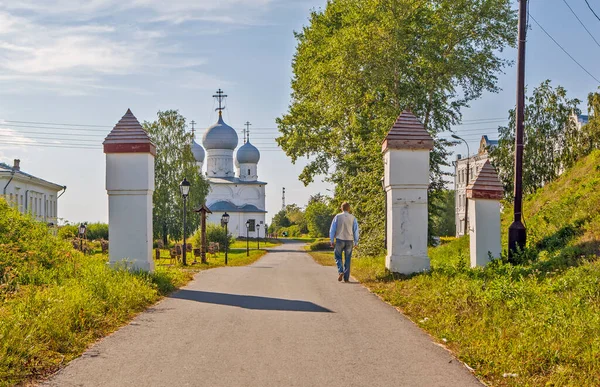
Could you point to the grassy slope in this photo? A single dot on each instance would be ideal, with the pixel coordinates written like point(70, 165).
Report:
point(533, 324)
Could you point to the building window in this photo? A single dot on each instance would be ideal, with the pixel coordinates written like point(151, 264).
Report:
point(248, 172)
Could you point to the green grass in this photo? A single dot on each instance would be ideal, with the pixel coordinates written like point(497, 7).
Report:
point(240, 244)
point(532, 324)
point(55, 301)
point(324, 258)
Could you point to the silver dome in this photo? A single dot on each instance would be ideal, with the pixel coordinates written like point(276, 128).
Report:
point(220, 136)
point(248, 154)
point(198, 152)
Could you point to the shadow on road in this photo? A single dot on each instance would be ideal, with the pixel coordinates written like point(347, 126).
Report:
point(249, 302)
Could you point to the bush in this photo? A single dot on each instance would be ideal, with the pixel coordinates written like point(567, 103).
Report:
point(292, 231)
point(97, 231)
point(214, 233)
point(68, 231)
point(320, 245)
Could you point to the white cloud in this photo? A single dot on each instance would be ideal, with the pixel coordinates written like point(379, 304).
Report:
point(69, 47)
point(176, 11)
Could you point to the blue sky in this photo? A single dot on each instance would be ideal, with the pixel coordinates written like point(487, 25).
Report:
point(87, 62)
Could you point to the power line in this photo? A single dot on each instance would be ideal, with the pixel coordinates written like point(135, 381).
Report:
point(55, 124)
point(52, 133)
point(51, 138)
point(50, 145)
point(591, 9)
point(53, 128)
point(580, 22)
point(565, 51)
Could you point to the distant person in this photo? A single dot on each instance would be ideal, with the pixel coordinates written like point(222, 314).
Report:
point(344, 232)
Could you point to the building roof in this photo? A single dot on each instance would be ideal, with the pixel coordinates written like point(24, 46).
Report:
point(486, 185)
point(128, 136)
point(198, 152)
point(247, 154)
point(6, 169)
point(489, 142)
point(226, 206)
point(232, 180)
point(220, 136)
point(408, 133)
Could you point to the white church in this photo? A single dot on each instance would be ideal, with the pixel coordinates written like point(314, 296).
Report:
point(239, 192)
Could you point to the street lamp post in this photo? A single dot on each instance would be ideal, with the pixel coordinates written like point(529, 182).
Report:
point(184, 188)
point(258, 237)
point(225, 221)
point(466, 184)
point(247, 238)
point(266, 232)
point(82, 229)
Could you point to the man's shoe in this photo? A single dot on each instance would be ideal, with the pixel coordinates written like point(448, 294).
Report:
point(346, 280)
point(340, 277)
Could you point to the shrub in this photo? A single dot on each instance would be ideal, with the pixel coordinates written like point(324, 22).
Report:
point(214, 233)
point(320, 245)
point(292, 231)
point(68, 231)
point(97, 231)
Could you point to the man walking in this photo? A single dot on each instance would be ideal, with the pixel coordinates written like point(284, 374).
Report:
point(344, 231)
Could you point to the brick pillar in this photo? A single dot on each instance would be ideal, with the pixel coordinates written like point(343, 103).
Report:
point(130, 185)
point(406, 180)
point(484, 195)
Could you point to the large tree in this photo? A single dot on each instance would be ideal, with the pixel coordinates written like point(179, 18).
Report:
point(551, 138)
point(358, 64)
point(174, 161)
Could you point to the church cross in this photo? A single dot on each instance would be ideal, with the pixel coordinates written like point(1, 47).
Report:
point(247, 132)
point(220, 96)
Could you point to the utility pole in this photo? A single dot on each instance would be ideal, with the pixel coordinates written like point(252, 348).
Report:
point(283, 200)
point(517, 234)
point(193, 123)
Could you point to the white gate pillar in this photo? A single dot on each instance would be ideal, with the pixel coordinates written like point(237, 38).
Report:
point(130, 185)
point(484, 195)
point(406, 180)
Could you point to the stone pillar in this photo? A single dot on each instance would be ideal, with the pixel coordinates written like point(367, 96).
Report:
point(484, 195)
point(406, 180)
point(130, 184)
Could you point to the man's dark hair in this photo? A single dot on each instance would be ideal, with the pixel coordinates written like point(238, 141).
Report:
point(345, 206)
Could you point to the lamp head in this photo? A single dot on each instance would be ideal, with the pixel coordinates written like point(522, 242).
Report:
point(184, 187)
point(225, 218)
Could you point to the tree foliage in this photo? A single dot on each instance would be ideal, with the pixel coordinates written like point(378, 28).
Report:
point(443, 221)
point(174, 161)
point(319, 215)
point(280, 220)
point(358, 64)
point(552, 141)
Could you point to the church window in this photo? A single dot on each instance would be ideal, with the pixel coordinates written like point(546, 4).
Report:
point(248, 172)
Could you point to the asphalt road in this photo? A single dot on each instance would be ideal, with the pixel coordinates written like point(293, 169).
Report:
point(284, 321)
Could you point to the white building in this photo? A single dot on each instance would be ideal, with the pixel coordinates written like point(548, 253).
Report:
point(461, 180)
point(237, 192)
point(30, 194)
